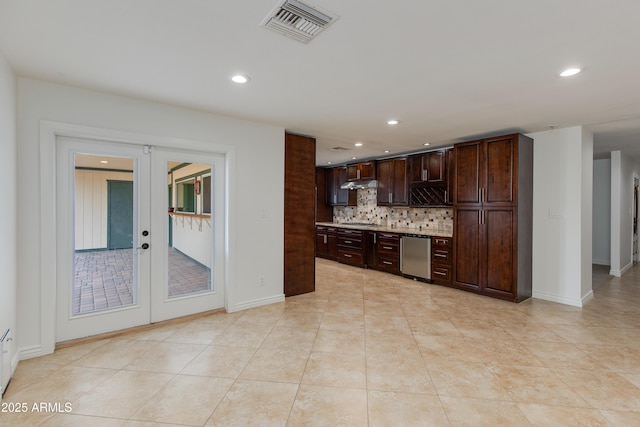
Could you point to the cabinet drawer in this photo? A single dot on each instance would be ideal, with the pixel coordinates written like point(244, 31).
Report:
point(388, 249)
point(444, 242)
point(350, 242)
point(350, 257)
point(389, 264)
point(350, 233)
point(391, 237)
point(441, 256)
point(441, 273)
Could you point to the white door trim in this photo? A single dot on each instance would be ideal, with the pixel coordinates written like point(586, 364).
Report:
point(49, 131)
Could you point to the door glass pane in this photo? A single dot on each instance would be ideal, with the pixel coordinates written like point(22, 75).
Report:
point(190, 225)
point(104, 258)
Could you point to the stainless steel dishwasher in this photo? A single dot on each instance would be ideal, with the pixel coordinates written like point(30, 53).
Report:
point(415, 256)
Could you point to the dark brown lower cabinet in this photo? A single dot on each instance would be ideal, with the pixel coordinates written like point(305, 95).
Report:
point(326, 242)
point(299, 214)
point(486, 253)
point(441, 260)
point(388, 252)
point(351, 247)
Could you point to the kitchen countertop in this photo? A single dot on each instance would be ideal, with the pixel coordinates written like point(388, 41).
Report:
point(400, 230)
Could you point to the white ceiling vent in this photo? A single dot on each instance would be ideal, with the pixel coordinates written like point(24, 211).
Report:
point(298, 20)
point(339, 149)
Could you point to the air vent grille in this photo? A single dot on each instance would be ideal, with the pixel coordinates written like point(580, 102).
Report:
point(297, 20)
point(339, 149)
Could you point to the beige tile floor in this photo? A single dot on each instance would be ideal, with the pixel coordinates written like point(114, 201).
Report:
point(366, 349)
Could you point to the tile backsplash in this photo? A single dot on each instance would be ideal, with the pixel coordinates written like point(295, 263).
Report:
point(367, 210)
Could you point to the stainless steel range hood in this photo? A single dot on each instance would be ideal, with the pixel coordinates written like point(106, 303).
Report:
point(356, 185)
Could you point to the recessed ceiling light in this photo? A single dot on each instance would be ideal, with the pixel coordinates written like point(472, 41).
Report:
point(354, 157)
point(240, 78)
point(426, 144)
point(104, 162)
point(329, 163)
point(570, 72)
point(393, 122)
point(386, 151)
point(358, 144)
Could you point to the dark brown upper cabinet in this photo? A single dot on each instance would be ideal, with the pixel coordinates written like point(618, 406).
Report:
point(335, 195)
point(486, 172)
point(361, 171)
point(392, 182)
point(428, 168)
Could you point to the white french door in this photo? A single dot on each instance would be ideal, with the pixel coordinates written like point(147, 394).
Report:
point(140, 235)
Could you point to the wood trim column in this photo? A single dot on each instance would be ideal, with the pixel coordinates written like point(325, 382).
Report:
point(299, 214)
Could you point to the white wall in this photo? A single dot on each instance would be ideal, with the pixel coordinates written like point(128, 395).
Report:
point(561, 235)
point(8, 195)
point(91, 193)
point(255, 180)
point(586, 217)
point(623, 170)
point(602, 212)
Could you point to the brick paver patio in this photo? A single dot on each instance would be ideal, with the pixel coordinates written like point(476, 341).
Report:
point(104, 279)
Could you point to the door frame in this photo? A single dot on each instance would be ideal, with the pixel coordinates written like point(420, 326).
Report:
point(49, 131)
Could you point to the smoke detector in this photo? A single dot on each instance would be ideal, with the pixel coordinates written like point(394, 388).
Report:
point(300, 21)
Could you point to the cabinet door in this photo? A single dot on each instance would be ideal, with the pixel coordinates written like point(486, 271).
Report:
point(468, 179)
point(321, 243)
point(435, 166)
point(400, 192)
point(361, 171)
point(384, 181)
point(467, 248)
point(332, 245)
point(499, 237)
point(343, 195)
point(450, 167)
point(335, 195)
point(352, 172)
point(416, 170)
point(367, 170)
point(500, 171)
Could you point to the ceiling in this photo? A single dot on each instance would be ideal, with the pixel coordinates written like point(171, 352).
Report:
point(449, 70)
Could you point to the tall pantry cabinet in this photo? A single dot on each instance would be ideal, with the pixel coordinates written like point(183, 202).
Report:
point(493, 216)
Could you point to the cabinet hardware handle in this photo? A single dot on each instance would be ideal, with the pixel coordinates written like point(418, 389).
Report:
point(348, 256)
point(387, 247)
point(387, 262)
point(375, 238)
point(348, 241)
point(325, 238)
point(335, 198)
point(439, 255)
point(480, 195)
point(445, 196)
point(482, 199)
point(439, 274)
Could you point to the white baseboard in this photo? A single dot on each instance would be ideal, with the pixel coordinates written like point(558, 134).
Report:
point(601, 262)
point(575, 302)
point(256, 303)
point(619, 273)
point(588, 297)
point(31, 352)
